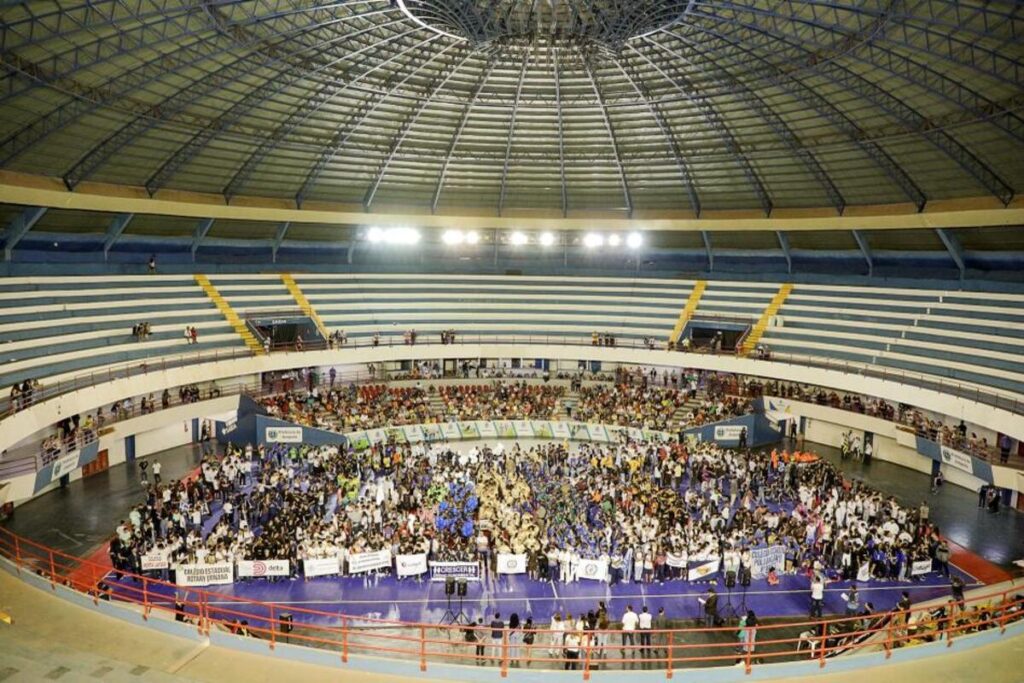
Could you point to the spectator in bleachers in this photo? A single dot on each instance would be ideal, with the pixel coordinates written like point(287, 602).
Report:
point(152, 264)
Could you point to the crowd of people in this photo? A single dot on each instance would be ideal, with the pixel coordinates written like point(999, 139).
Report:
point(630, 504)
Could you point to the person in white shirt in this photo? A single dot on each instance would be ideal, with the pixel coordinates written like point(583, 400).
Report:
point(557, 629)
point(817, 595)
point(629, 624)
point(156, 471)
point(644, 621)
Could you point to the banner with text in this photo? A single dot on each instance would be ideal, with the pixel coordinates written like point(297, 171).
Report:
point(728, 432)
point(364, 562)
point(411, 565)
point(955, 458)
point(920, 567)
point(283, 434)
point(258, 568)
point(439, 571)
point(218, 574)
point(763, 559)
point(323, 567)
point(596, 570)
point(511, 564)
point(153, 560)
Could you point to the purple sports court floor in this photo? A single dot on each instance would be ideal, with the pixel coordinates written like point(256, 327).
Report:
point(410, 600)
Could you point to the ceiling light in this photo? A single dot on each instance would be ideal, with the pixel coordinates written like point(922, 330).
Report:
point(375, 235)
point(634, 240)
point(547, 239)
point(452, 237)
point(614, 240)
point(472, 237)
point(518, 239)
point(593, 240)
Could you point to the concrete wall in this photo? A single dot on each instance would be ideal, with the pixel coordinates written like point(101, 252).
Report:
point(25, 423)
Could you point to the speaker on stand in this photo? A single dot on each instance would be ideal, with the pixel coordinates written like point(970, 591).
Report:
point(449, 616)
point(745, 582)
point(460, 590)
point(729, 611)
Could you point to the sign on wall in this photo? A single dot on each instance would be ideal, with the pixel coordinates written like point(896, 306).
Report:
point(956, 459)
point(283, 434)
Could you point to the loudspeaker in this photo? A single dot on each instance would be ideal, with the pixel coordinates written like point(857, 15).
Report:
point(286, 622)
point(730, 579)
point(449, 585)
point(460, 586)
point(744, 576)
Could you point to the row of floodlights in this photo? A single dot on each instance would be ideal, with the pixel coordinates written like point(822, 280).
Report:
point(591, 240)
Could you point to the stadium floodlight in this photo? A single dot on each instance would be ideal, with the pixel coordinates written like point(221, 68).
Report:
point(396, 236)
point(518, 239)
point(614, 240)
point(547, 239)
point(406, 235)
point(453, 237)
point(375, 234)
point(634, 240)
point(593, 240)
point(472, 237)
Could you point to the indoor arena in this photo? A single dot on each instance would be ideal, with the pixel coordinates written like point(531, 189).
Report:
point(485, 340)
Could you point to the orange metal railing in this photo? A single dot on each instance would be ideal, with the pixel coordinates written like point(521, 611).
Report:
point(424, 643)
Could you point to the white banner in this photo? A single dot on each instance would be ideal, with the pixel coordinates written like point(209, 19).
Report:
point(864, 572)
point(230, 424)
point(364, 562)
point(324, 567)
point(219, 574)
point(763, 559)
point(598, 433)
point(283, 434)
point(673, 560)
point(596, 570)
point(920, 567)
point(956, 459)
point(706, 569)
point(258, 568)
point(413, 433)
point(486, 429)
point(439, 571)
point(64, 465)
point(411, 565)
point(728, 432)
point(560, 430)
point(450, 430)
point(524, 428)
point(511, 564)
point(153, 560)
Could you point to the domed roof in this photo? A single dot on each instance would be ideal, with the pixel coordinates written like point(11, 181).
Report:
point(503, 105)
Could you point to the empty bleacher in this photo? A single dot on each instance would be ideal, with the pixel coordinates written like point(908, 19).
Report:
point(969, 338)
point(555, 307)
point(53, 328)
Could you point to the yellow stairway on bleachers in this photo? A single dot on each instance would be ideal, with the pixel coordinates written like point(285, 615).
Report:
point(689, 309)
point(303, 302)
point(229, 314)
point(750, 343)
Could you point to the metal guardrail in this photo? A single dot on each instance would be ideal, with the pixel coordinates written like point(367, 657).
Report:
point(989, 396)
point(424, 644)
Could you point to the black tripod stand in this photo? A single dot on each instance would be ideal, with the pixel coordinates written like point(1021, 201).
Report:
point(452, 587)
point(729, 611)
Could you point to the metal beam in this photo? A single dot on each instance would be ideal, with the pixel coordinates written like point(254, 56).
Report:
point(666, 131)
point(811, 98)
point(865, 249)
point(114, 232)
point(512, 132)
point(707, 248)
point(354, 122)
point(561, 136)
point(851, 81)
point(197, 237)
point(463, 120)
point(611, 136)
point(282, 230)
point(955, 249)
point(784, 245)
point(715, 121)
point(20, 226)
point(403, 131)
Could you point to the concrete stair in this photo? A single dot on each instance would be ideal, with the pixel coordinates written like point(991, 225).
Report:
point(688, 310)
point(237, 324)
point(303, 302)
point(750, 343)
